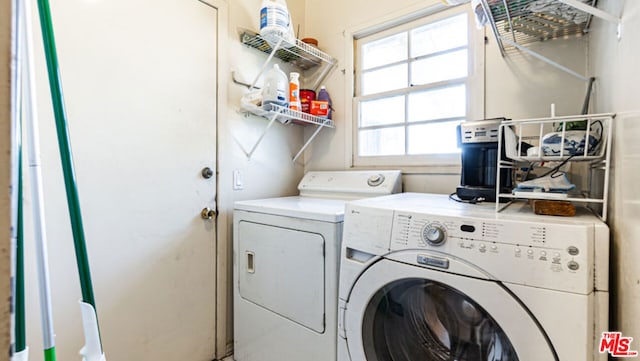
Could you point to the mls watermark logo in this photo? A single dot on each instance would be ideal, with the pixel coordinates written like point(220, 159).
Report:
point(617, 345)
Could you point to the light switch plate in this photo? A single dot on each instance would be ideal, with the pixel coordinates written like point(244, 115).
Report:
point(238, 181)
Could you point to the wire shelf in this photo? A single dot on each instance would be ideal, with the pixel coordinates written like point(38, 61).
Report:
point(579, 138)
point(299, 54)
point(527, 21)
point(304, 57)
point(285, 115)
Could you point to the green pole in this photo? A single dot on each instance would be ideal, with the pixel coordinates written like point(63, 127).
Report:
point(73, 201)
point(50, 354)
point(20, 326)
point(16, 160)
point(93, 344)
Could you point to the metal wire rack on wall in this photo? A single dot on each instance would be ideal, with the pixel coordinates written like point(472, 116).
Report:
point(516, 23)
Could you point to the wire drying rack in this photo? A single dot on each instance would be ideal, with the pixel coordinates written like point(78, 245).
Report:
point(526, 21)
point(516, 23)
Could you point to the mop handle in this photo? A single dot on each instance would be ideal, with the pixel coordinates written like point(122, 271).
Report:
point(73, 201)
point(37, 192)
point(20, 324)
point(17, 309)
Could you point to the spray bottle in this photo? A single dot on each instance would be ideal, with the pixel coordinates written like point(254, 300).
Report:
point(294, 92)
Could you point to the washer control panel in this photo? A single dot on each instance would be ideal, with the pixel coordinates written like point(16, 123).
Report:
point(555, 256)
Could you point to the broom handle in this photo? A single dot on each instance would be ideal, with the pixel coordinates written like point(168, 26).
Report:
point(93, 347)
point(73, 201)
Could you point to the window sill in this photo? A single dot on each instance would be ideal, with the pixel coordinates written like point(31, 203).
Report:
point(439, 169)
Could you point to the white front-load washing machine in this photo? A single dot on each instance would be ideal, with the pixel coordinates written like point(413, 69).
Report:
point(286, 254)
point(425, 278)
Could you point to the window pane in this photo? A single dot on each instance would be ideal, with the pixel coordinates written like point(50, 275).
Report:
point(382, 111)
point(442, 35)
point(433, 138)
point(441, 103)
point(438, 68)
point(384, 51)
point(391, 78)
point(387, 141)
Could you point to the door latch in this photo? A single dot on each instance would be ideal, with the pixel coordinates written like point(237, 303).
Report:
point(207, 213)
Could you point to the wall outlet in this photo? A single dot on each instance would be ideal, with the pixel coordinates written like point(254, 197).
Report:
point(238, 181)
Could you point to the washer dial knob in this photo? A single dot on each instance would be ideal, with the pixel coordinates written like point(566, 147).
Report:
point(434, 234)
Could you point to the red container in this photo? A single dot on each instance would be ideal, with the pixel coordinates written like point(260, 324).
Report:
point(306, 97)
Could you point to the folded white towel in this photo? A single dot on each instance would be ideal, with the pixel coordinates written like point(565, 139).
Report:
point(556, 182)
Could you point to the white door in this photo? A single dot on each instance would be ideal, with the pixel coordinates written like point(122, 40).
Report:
point(403, 312)
point(140, 85)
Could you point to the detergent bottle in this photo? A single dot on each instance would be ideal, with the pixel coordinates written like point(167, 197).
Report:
point(275, 23)
point(294, 92)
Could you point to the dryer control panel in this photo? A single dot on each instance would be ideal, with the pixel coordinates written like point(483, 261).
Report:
point(350, 184)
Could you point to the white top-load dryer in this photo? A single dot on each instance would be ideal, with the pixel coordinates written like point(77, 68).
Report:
point(425, 278)
point(286, 253)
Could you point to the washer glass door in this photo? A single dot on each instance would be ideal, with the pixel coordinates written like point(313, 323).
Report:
point(418, 319)
point(402, 312)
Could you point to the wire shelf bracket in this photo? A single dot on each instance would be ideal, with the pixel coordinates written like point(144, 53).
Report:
point(287, 116)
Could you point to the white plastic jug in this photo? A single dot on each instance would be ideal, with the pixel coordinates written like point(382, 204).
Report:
point(275, 89)
point(275, 23)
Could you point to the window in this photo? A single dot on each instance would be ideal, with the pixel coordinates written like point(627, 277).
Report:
point(414, 83)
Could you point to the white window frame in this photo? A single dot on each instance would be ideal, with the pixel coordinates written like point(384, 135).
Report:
point(474, 88)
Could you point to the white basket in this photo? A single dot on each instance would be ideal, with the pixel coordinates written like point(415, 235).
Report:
point(550, 139)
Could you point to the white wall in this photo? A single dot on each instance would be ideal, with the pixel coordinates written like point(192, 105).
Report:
point(5, 174)
point(614, 62)
point(270, 172)
point(517, 86)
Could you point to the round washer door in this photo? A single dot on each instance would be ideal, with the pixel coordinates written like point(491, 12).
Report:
point(401, 312)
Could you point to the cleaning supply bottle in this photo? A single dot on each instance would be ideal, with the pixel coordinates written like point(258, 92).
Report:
point(294, 92)
point(275, 89)
point(323, 95)
point(275, 22)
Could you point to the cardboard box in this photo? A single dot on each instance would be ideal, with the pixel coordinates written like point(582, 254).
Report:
point(320, 108)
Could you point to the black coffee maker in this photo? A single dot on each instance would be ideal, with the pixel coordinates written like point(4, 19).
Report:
point(478, 141)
